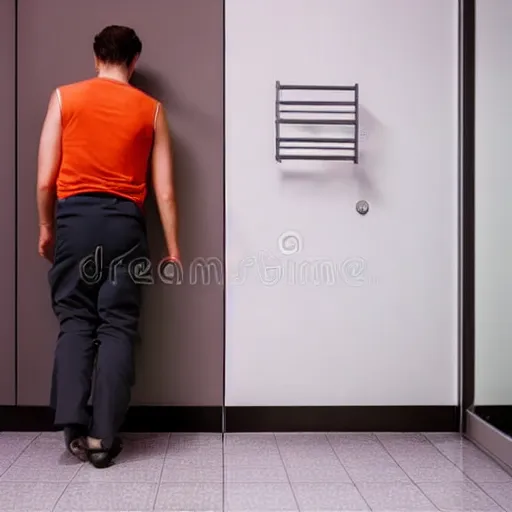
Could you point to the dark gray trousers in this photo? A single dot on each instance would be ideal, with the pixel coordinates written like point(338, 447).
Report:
point(100, 249)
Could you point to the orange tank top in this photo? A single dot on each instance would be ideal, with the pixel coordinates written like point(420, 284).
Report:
point(107, 136)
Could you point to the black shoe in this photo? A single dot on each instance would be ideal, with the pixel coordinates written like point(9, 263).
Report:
point(76, 443)
point(101, 458)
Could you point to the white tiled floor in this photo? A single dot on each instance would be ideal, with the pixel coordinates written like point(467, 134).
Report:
point(256, 473)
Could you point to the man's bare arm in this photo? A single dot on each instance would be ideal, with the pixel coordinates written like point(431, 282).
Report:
point(50, 147)
point(163, 183)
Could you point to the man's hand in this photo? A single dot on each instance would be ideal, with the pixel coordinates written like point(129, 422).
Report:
point(46, 242)
point(174, 255)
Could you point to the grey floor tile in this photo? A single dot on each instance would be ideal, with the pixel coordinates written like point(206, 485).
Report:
point(253, 460)
point(235, 442)
point(442, 435)
point(328, 497)
point(53, 436)
point(246, 453)
point(432, 469)
point(410, 454)
point(317, 450)
point(396, 497)
point(448, 441)
point(258, 467)
point(237, 474)
point(313, 474)
point(46, 452)
point(142, 470)
point(341, 440)
point(25, 436)
point(305, 444)
point(470, 459)
point(463, 496)
point(46, 459)
point(188, 474)
point(29, 496)
point(439, 475)
point(17, 473)
point(301, 439)
point(313, 457)
point(387, 471)
point(148, 438)
point(364, 455)
point(40, 458)
point(194, 450)
point(442, 438)
point(144, 446)
point(242, 497)
point(397, 441)
point(485, 472)
point(457, 449)
point(196, 497)
point(107, 496)
point(55, 439)
point(501, 493)
point(203, 437)
point(367, 448)
point(4, 466)
point(13, 444)
point(360, 449)
point(189, 441)
point(460, 457)
point(194, 459)
point(299, 460)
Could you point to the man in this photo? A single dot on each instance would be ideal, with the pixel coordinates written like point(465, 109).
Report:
point(98, 137)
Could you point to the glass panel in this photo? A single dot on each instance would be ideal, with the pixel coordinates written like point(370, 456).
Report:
point(493, 204)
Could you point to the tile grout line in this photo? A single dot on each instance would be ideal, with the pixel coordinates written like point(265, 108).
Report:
point(223, 475)
point(80, 466)
point(348, 474)
point(67, 485)
point(11, 464)
point(464, 473)
point(162, 470)
point(287, 475)
point(407, 474)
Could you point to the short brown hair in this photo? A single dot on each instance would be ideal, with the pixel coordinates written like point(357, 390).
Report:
point(117, 45)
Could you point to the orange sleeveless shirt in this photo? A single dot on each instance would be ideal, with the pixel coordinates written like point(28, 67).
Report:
point(107, 136)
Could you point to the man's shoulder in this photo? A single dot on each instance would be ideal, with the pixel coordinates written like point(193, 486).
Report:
point(75, 85)
point(143, 95)
point(89, 85)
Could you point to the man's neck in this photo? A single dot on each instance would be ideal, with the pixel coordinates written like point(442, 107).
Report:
point(114, 74)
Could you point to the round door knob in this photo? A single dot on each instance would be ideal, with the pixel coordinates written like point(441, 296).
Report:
point(362, 207)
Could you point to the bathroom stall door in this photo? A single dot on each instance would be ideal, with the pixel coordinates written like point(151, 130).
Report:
point(180, 358)
point(7, 203)
point(342, 309)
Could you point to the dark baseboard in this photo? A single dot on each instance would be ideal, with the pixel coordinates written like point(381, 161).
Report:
point(138, 419)
point(343, 419)
point(26, 419)
point(499, 416)
point(256, 419)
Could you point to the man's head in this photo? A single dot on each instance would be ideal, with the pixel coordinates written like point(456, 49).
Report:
point(118, 47)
